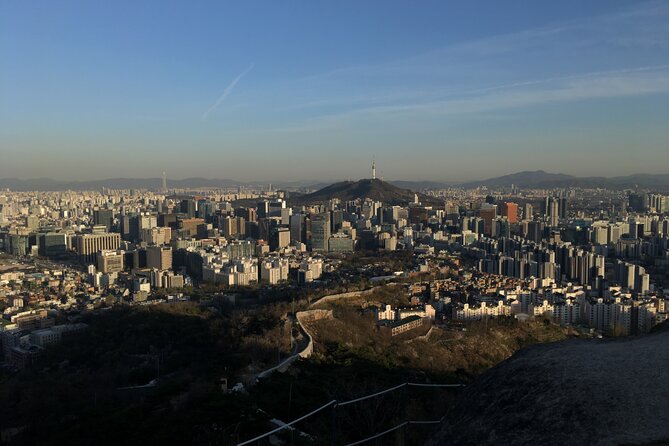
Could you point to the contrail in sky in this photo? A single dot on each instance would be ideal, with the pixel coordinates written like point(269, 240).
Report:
point(226, 92)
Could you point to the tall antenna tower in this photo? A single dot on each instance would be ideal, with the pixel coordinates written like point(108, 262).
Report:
point(373, 169)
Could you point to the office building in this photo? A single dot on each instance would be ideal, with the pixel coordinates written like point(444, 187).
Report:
point(110, 261)
point(87, 245)
point(488, 213)
point(159, 257)
point(510, 211)
point(320, 231)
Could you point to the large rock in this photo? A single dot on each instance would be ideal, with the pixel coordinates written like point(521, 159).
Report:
point(580, 392)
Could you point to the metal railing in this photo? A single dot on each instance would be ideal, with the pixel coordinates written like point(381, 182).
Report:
point(334, 404)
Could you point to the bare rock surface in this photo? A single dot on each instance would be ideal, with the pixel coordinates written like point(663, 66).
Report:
point(576, 392)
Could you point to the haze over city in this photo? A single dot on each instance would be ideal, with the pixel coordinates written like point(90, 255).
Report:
point(442, 91)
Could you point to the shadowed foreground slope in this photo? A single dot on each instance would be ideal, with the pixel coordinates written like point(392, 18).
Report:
point(573, 392)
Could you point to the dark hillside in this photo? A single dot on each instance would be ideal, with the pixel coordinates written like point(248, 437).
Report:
point(574, 392)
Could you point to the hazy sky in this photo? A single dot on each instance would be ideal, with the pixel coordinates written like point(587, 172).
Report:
point(278, 90)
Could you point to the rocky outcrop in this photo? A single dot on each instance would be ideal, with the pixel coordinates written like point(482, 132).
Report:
point(580, 392)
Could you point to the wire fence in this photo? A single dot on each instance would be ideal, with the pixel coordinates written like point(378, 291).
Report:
point(340, 423)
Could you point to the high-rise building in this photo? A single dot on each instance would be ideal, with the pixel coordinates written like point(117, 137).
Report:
point(535, 231)
point(528, 213)
point(188, 207)
point(488, 213)
point(135, 224)
point(552, 211)
point(452, 211)
point(159, 257)
point(110, 261)
point(87, 245)
point(52, 244)
point(320, 231)
point(249, 214)
point(279, 237)
point(205, 209)
point(563, 208)
point(418, 214)
point(275, 207)
point(103, 217)
point(510, 211)
point(636, 202)
point(228, 226)
point(156, 236)
point(297, 228)
point(263, 209)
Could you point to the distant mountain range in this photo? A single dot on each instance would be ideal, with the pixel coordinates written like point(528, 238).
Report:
point(537, 179)
point(49, 184)
point(112, 183)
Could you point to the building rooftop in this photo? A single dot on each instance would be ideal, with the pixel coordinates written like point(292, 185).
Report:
point(406, 320)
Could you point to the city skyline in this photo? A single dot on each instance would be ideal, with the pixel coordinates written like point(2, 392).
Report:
point(445, 92)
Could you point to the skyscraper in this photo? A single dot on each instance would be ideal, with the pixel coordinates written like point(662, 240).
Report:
point(551, 210)
point(510, 211)
point(297, 228)
point(563, 208)
point(103, 217)
point(159, 257)
point(320, 231)
point(529, 212)
point(488, 213)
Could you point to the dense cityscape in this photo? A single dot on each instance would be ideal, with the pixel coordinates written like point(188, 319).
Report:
point(592, 260)
point(305, 223)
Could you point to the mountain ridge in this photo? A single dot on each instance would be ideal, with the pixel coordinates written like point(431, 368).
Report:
point(538, 179)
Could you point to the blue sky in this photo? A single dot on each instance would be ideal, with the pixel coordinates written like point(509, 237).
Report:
point(254, 90)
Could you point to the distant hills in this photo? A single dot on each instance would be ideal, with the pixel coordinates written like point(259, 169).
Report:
point(112, 183)
point(537, 179)
point(49, 184)
point(540, 179)
point(351, 190)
